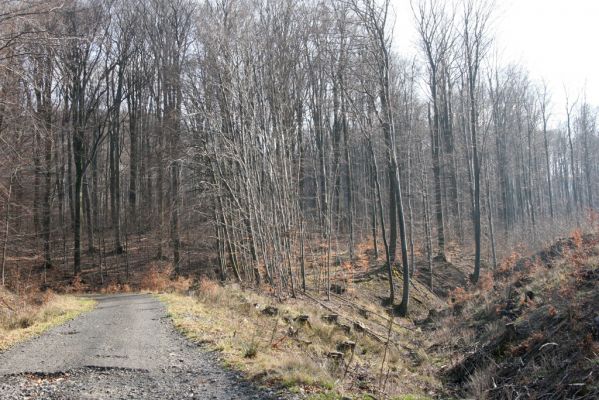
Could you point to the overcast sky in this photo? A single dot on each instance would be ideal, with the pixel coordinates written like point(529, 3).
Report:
point(556, 40)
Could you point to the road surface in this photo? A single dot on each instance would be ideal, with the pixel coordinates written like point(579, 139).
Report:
point(126, 348)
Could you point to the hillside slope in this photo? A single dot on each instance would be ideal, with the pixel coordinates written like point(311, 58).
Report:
point(528, 331)
point(532, 332)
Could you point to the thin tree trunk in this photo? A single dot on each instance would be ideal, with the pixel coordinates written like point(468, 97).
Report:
point(6, 227)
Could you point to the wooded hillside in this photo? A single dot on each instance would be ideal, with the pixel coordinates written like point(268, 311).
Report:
point(275, 141)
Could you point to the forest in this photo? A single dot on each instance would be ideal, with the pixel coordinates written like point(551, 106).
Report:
point(287, 148)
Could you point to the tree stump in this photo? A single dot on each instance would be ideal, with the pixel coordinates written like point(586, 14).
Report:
point(271, 311)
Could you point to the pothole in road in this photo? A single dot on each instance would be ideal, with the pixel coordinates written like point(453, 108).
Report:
point(98, 368)
point(43, 377)
point(54, 377)
point(110, 356)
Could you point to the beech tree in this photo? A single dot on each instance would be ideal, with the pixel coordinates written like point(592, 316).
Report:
point(475, 44)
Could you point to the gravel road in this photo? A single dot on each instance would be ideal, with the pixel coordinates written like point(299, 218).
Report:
point(126, 348)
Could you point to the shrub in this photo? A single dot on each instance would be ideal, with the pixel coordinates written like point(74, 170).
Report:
point(508, 263)
point(155, 280)
point(486, 282)
point(77, 286)
point(209, 290)
point(459, 296)
point(181, 284)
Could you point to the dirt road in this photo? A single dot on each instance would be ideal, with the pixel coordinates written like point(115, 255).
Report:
point(125, 348)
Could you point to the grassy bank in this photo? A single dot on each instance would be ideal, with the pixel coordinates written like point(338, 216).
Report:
point(24, 317)
point(294, 344)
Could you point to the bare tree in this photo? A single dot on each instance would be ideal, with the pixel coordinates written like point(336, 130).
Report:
point(435, 29)
point(475, 44)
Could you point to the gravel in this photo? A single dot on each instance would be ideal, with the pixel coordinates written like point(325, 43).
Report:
point(126, 348)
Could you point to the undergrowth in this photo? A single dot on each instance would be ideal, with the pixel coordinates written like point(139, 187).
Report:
point(160, 278)
point(532, 329)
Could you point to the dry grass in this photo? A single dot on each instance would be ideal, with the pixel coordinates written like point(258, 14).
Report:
point(480, 382)
point(230, 321)
point(284, 351)
point(26, 316)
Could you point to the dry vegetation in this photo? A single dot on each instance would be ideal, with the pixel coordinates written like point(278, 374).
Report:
point(276, 144)
point(296, 343)
point(530, 329)
point(22, 317)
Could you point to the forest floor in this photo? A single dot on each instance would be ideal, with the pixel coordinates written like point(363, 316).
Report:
point(125, 348)
point(528, 329)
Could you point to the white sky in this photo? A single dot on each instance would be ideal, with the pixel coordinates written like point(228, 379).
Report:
point(555, 40)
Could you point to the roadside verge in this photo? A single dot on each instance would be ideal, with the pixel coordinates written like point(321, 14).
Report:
point(24, 317)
